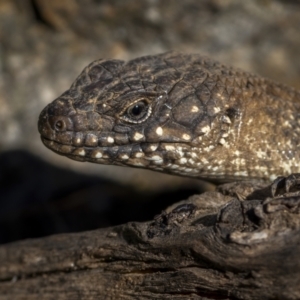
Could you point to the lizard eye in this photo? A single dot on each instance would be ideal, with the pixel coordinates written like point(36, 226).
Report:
point(137, 112)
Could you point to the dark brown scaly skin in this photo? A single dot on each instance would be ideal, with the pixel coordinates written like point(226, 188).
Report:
point(177, 113)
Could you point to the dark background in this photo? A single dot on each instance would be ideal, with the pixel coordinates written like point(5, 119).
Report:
point(44, 45)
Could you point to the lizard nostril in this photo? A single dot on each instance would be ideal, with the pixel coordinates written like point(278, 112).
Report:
point(60, 125)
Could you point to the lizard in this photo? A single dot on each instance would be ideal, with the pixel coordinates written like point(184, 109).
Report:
point(182, 114)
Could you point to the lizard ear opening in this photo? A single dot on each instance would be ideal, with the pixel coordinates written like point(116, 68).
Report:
point(137, 112)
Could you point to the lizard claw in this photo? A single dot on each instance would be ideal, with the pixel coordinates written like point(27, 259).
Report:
point(285, 183)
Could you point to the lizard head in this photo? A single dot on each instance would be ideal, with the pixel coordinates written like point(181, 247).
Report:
point(162, 112)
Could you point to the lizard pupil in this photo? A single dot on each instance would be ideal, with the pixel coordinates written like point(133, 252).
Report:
point(137, 112)
point(137, 109)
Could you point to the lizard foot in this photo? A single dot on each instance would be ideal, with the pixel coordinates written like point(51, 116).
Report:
point(287, 184)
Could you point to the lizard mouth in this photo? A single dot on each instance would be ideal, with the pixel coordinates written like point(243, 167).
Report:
point(98, 154)
point(132, 154)
point(156, 156)
point(60, 148)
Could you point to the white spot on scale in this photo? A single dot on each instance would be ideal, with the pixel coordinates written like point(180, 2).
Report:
point(158, 162)
point(241, 173)
point(236, 162)
point(138, 136)
point(222, 141)
point(288, 143)
point(103, 105)
point(287, 168)
point(182, 160)
point(205, 129)
point(98, 154)
point(225, 134)
point(155, 157)
point(170, 148)
point(110, 140)
point(153, 147)
point(261, 154)
point(78, 140)
point(139, 154)
point(207, 149)
point(225, 119)
point(217, 109)
point(180, 153)
point(194, 155)
point(94, 140)
point(273, 177)
point(204, 160)
point(124, 156)
point(159, 131)
point(191, 161)
point(81, 152)
point(194, 109)
point(186, 137)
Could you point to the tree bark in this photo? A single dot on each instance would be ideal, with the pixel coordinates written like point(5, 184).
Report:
point(238, 242)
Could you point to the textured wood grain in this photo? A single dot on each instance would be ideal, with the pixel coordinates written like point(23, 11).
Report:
point(211, 246)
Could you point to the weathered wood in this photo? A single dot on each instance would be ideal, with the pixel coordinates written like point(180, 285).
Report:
point(211, 246)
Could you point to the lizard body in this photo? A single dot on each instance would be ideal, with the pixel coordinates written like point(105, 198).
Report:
point(176, 113)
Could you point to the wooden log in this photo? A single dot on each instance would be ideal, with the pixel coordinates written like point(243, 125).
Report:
point(235, 243)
